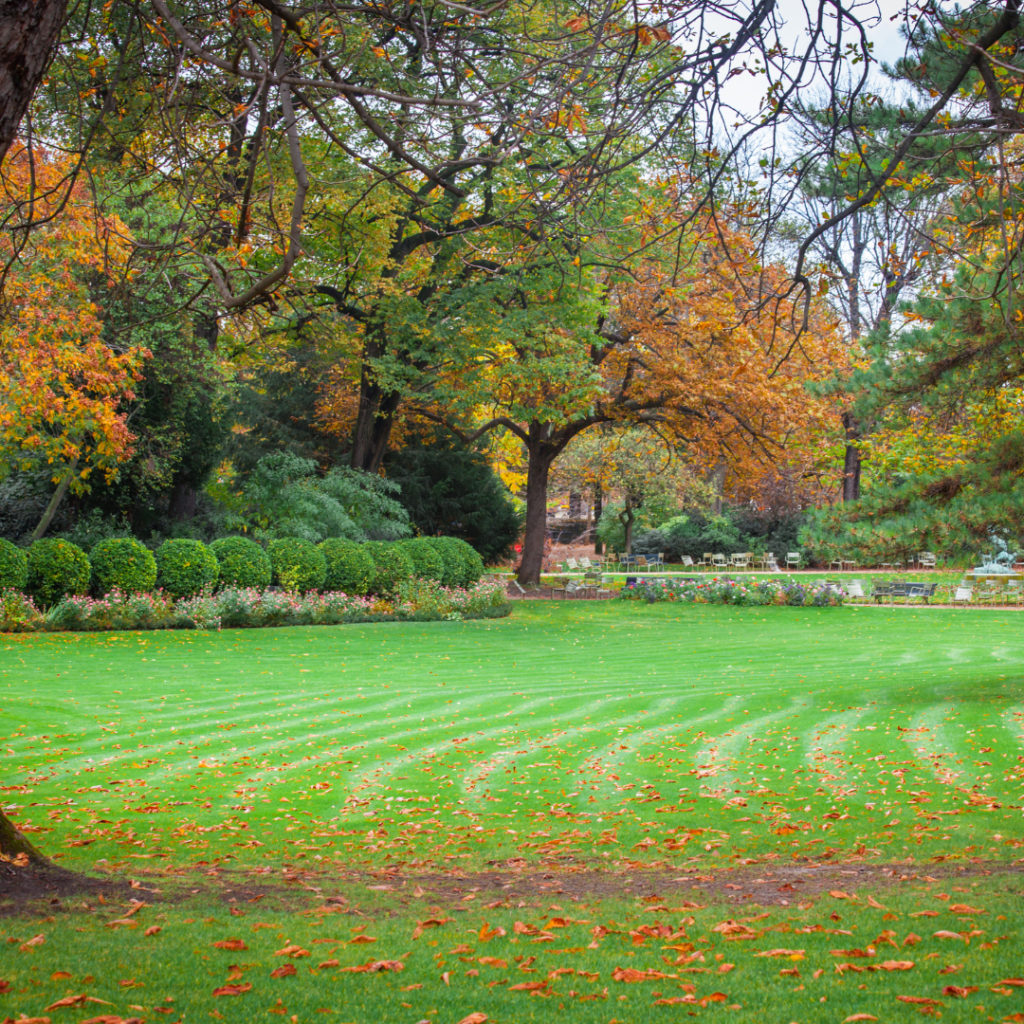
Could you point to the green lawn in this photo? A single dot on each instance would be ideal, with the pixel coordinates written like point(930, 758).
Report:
point(646, 741)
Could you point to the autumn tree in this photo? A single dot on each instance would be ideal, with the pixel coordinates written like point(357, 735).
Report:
point(61, 387)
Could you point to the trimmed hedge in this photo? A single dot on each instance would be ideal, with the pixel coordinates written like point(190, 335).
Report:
point(13, 566)
point(122, 563)
point(463, 565)
point(393, 567)
point(186, 567)
point(427, 563)
point(243, 563)
point(298, 565)
point(56, 569)
point(350, 567)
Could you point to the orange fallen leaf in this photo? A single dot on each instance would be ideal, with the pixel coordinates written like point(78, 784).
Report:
point(79, 1000)
point(895, 965)
point(630, 975)
point(328, 963)
point(359, 940)
point(293, 950)
point(781, 952)
point(726, 968)
point(475, 1018)
point(948, 935)
point(487, 933)
point(233, 944)
point(959, 991)
point(528, 986)
point(675, 1000)
point(285, 971)
point(233, 990)
point(919, 1000)
point(852, 952)
point(1018, 982)
point(1016, 1018)
point(36, 940)
point(411, 988)
point(153, 929)
point(492, 961)
point(106, 1018)
point(858, 1016)
point(838, 894)
point(430, 922)
point(375, 967)
point(963, 908)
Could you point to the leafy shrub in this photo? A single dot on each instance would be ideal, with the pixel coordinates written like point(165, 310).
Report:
point(463, 566)
point(449, 488)
point(13, 566)
point(427, 562)
point(56, 568)
point(298, 565)
point(393, 567)
point(723, 590)
point(243, 563)
point(122, 563)
point(186, 567)
point(350, 567)
point(116, 610)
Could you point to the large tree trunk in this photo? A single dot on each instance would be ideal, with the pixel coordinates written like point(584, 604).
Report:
point(851, 463)
point(598, 509)
point(626, 517)
point(28, 33)
point(377, 409)
point(15, 847)
point(540, 456)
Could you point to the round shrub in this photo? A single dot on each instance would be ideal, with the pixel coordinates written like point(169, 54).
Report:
point(463, 566)
point(350, 567)
point(56, 569)
point(122, 563)
point(243, 563)
point(298, 565)
point(186, 567)
point(393, 567)
point(13, 566)
point(427, 563)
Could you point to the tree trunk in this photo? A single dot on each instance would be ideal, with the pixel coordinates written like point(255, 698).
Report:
point(851, 463)
point(15, 847)
point(540, 457)
point(373, 425)
point(28, 34)
point(183, 501)
point(58, 497)
point(598, 509)
point(626, 517)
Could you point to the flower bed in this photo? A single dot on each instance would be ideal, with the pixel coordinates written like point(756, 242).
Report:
point(724, 590)
point(249, 607)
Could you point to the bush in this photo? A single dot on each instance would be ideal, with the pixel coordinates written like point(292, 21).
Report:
point(350, 567)
point(463, 566)
point(243, 563)
point(56, 568)
point(427, 563)
point(18, 614)
point(186, 567)
point(393, 567)
point(298, 565)
point(449, 488)
point(13, 566)
point(122, 563)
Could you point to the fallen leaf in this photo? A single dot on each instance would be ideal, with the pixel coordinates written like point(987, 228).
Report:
point(359, 940)
point(528, 986)
point(411, 988)
point(36, 940)
point(838, 894)
point(233, 990)
point(234, 944)
point(919, 1000)
point(858, 1016)
point(630, 975)
point(492, 961)
point(430, 922)
point(328, 963)
point(948, 935)
point(475, 1018)
point(285, 971)
point(959, 991)
point(375, 967)
point(781, 952)
point(153, 929)
point(894, 965)
point(79, 1000)
point(56, 976)
point(963, 908)
point(1018, 982)
point(295, 951)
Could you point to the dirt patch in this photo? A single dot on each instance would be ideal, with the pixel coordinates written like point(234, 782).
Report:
point(512, 884)
point(23, 886)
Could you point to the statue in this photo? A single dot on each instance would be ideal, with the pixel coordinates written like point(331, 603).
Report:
point(1000, 564)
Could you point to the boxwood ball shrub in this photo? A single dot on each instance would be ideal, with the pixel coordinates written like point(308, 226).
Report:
point(185, 567)
point(122, 563)
point(298, 564)
point(350, 567)
point(56, 569)
point(427, 563)
point(463, 565)
point(243, 563)
point(13, 566)
point(393, 567)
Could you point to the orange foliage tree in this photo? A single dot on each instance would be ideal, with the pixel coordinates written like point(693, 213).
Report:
point(709, 355)
point(62, 389)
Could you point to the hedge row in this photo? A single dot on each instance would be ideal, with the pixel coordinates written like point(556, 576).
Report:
point(52, 569)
